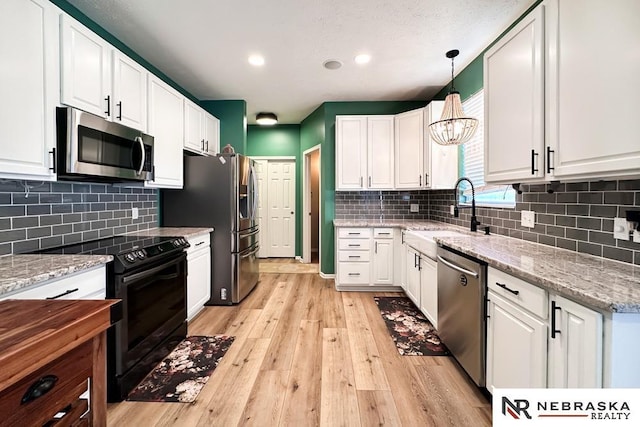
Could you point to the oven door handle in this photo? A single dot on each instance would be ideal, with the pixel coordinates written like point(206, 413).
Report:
point(457, 267)
point(151, 272)
point(250, 253)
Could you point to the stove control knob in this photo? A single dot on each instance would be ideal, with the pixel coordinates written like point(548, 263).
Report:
point(130, 257)
point(175, 243)
point(141, 254)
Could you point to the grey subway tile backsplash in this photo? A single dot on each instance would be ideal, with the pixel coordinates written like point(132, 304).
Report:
point(52, 214)
point(577, 216)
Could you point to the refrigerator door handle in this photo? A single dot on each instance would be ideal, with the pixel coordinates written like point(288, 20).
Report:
point(253, 233)
point(254, 193)
point(253, 252)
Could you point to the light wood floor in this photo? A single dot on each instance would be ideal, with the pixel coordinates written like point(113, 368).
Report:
point(307, 355)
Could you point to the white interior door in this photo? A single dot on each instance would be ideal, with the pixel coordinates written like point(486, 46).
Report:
point(261, 177)
point(281, 209)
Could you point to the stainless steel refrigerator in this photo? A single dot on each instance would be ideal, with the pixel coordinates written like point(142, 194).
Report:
point(220, 192)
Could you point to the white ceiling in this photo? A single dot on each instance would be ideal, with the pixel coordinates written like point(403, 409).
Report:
point(203, 45)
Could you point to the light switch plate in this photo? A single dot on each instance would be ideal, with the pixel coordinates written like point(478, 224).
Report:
point(134, 213)
point(451, 209)
point(636, 236)
point(620, 229)
point(414, 207)
point(528, 219)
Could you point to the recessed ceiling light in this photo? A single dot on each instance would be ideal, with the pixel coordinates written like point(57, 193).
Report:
point(256, 60)
point(332, 64)
point(362, 58)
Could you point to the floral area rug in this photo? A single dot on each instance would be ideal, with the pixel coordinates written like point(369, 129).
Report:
point(412, 333)
point(183, 373)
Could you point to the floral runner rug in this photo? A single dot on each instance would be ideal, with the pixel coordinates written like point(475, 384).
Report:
point(412, 333)
point(183, 373)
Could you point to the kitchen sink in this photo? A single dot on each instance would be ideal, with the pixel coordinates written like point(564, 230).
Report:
point(423, 240)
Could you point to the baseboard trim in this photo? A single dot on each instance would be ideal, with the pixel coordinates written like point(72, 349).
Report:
point(327, 276)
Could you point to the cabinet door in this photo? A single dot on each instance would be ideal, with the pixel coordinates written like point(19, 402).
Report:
point(351, 152)
point(575, 345)
point(516, 347)
point(166, 124)
point(129, 92)
point(590, 125)
point(409, 143)
point(429, 289)
point(198, 281)
point(440, 161)
point(382, 264)
point(193, 127)
point(514, 103)
point(380, 163)
point(211, 134)
point(29, 91)
point(413, 276)
point(86, 69)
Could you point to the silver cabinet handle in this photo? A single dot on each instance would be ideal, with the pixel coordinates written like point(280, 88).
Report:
point(369, 181)
point(67, 292)
point(420, 180)
point(360, 181)
point(376, 249)
point(354, 274)
point(354, 245)
point(426, 179)
point(119, 117)
point(457, 267)
point(352, 233)
point(354, 256)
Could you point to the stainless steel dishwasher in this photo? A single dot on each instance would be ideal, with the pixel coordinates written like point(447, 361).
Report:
point(462, 288)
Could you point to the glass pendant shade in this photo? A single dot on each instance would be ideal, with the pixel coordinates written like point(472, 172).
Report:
point(453, 128)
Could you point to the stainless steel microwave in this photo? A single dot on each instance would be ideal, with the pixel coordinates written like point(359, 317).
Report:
point(92, 148)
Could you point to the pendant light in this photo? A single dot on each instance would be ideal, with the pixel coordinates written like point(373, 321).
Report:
point(453, 128)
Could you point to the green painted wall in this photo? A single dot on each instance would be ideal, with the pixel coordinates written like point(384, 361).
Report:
point(280, 140)
point(233, 122)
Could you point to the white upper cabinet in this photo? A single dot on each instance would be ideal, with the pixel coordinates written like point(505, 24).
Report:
point(380, 152)
point(420, 161)
point(30, 88)
point(514, 103)
point(99, 79)
point(409, 143)
point(364, 152)
point(166, 124)
point(201, 130)
point(560, 94)
point(351, 152)
point(211, 134)
point(129, 92)
point(592, 88)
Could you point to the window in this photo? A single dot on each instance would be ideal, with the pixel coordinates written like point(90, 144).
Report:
point(472, 165)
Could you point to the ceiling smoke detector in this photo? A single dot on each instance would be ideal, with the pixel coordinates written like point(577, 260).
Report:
point(332, 64)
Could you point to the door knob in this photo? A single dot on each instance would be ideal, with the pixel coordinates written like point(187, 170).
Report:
point(291, 212)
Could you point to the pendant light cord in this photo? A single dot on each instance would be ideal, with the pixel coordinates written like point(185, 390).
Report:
point(453, 89)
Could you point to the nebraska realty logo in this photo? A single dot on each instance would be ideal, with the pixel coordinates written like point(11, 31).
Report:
point(533, 407)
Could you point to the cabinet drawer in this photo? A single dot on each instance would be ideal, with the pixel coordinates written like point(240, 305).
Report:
point(353, 273)
point(354, 233)
point(354, 244)
point(200, 241)
point(71, 370)
point(383, 233)
point(353, 256)
point(83, 285)
point(528, 296)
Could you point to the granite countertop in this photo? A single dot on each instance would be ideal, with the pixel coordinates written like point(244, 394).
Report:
point(22, 271)
point(600, 283)
point(185, 232)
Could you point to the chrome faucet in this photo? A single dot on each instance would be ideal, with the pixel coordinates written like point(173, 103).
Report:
point(456, 213)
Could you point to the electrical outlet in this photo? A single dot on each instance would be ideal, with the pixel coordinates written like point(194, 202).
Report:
point(528, 219)
point(414, 207)
point(451, 210)
point(620, 229)
point(134, 213)
point(636, 236)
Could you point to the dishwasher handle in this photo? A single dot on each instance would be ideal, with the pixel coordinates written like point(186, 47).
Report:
point(457, 267)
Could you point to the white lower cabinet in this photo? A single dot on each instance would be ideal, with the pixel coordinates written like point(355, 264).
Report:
point(87, 284)
point(412, 288)
point(365, 259)
point(516, 346)
point(575, 345)
point(429, 289)
point(198, 274)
